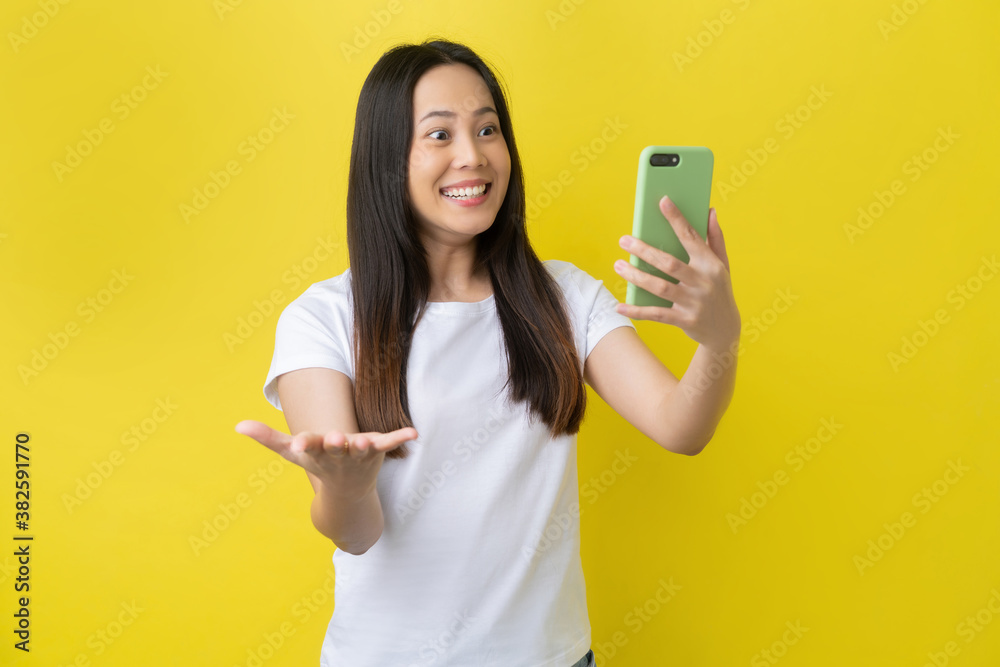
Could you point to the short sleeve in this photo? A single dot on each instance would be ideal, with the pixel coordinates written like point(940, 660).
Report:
point(603, 317)
point(591, 303)
point(313, 331)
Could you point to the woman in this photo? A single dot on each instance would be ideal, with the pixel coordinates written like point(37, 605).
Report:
point(437, 420)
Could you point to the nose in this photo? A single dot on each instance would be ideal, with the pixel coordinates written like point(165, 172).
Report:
point(468, 152)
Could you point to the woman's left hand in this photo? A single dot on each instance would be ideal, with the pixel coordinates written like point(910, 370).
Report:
point(703, 304)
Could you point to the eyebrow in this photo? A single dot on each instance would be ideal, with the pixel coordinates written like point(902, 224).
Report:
point(452, 114)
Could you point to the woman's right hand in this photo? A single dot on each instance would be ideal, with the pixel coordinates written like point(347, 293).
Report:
point(350, 473)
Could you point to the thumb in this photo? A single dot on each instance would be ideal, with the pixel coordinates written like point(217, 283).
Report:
point(262, 433)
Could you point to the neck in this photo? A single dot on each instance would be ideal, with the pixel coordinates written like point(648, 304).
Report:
point(451, 275)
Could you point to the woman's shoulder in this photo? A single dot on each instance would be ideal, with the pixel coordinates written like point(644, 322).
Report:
point(561, 269)
point(336, 285)
point(325, 297)
point(569, 275)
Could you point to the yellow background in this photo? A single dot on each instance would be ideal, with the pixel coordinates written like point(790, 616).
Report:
point(571, 68)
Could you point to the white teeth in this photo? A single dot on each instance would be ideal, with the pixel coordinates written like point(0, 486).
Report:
point(465, 193)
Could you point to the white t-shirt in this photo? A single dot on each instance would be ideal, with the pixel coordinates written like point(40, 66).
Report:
point(479, 560)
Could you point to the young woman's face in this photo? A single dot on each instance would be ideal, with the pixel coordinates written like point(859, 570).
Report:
point(462, 143)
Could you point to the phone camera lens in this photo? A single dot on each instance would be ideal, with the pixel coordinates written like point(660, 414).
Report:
point(664, 159)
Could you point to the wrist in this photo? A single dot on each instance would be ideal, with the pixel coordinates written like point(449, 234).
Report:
point(341, 492)
point(728, 345)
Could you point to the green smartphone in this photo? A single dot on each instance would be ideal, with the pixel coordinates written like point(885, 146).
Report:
point(683, 173)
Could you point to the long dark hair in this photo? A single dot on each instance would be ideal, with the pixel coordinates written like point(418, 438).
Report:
point(390, 281)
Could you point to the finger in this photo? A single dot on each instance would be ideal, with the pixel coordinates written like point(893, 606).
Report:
point(715, 240)
point(310, 443)
point(295, 449)
point(333, 443)
point(686, 234)
point(653, 313)
point(653, 284)
point(264, 434)
point(388, 441)
point(664, 261)
point(362, 445)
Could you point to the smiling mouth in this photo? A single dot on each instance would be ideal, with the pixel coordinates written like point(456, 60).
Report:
point(489, 186)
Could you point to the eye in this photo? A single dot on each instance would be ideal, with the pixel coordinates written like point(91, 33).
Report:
point(493, 130)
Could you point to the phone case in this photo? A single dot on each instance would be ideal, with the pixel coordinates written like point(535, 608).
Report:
point(689, 185)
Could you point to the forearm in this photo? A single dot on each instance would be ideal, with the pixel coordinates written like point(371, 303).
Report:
point(694, 408)
point(353, 525)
